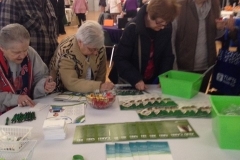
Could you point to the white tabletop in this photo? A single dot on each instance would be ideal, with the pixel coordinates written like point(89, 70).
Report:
point(204, 147)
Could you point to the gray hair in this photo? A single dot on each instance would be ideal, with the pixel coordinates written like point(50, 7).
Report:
point(13, 33)
point(91, 33)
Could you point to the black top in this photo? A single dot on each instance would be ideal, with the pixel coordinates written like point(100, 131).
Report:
point(126, 58)
point(102, 3)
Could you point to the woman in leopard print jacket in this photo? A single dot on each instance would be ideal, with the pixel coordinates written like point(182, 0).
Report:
point(79, 62)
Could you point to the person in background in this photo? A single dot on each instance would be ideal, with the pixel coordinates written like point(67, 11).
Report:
point(24, 76)
point(102, 4)
point(194, 33)
point(39, 18)
point(67, 3)
point(55, 7)
point(79, 63)
point(233, 2)
point(142, 2)
point(115, 8)
point(145, 51)
point(130, 7)
point(80, 7)
point(223, 3)
point(59, 9)
point(60, 16)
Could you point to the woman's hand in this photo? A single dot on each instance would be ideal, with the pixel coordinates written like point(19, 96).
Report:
point(49, 85)
point(221, 24)
point(230, 23)
point(227, 23)
point(140, 86)
point(106, 86)
point(24, 100)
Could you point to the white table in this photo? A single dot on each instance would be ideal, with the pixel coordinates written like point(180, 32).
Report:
point(204, 147)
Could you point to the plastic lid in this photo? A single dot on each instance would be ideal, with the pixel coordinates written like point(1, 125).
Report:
point(77, 157)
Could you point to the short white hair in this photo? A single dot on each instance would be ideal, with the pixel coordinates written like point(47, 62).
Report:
point(13, 33)
point(91, 33)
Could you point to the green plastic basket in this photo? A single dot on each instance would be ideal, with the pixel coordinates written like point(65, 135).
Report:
point(180, 84)
point(226, 128)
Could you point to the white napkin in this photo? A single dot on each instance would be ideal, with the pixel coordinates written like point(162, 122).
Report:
point(53, 124)
point(54, 129)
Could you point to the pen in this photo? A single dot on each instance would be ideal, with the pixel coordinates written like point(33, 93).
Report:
point(50, 79)
point(145, 91)
point(141, 91)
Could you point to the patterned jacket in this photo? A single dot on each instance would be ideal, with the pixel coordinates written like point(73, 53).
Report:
point(40, 20)
point(40, 72)
point(69, 66)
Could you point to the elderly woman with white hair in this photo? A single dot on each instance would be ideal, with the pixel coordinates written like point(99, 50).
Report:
point(23, 74)
point(79, 62)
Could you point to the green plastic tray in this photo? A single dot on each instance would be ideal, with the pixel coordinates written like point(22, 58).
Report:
point(226, 128)
point(180, 83)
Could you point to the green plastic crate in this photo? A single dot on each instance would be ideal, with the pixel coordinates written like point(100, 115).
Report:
point(226, 128)
point(181, 84)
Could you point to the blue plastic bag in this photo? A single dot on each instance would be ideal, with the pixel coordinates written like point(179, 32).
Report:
point(226, 73)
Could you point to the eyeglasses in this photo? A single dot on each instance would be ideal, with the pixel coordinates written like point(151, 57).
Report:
point(161, 23)
point(92, 49)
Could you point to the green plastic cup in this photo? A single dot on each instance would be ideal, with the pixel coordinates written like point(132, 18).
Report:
point(77, 157)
